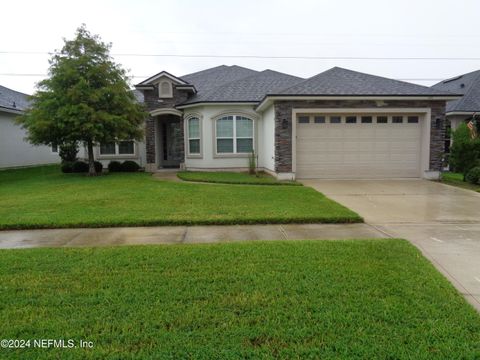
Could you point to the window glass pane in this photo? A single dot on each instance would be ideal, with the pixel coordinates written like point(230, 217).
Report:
point(125, 147)
point(194, 128)
point(225, 127)
point(244, 145)
point(382, 119)
point(224, 146)
point(413, 119)
point(366, 119)
point(351, 119)
point(397, 119)
point(107, 148)
point(194, 146)
point(244, 127)
point(54, 147)
point(303, 119)
point(319, 119)
point(335, 119)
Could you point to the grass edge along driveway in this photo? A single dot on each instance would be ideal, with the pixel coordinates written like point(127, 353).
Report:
point(287, 299)
point(43, 197)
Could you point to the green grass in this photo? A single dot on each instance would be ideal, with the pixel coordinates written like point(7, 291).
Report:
point(302, 299)
point(43, 197)
point(456, 179)
point(232, 178)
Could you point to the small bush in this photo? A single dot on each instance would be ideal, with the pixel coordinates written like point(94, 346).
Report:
point(114, 166)
point(130, 166)
point(473, 176)
point(98, 167)
point(68, 152)
point(465, 151)
point(80, 167)
point(67, 167)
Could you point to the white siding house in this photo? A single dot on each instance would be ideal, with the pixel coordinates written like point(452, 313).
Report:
point(15, 151)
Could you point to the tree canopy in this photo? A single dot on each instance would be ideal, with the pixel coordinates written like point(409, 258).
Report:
point(86, 98)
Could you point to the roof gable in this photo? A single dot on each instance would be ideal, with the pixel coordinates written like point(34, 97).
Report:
point(466, 84)
point(153, 79)
point(208, 79)
point(249, 89)
point(344, 82)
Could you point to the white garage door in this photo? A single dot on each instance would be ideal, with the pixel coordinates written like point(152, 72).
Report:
point(358, 146)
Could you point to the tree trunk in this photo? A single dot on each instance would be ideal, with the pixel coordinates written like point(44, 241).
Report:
point(91, 160)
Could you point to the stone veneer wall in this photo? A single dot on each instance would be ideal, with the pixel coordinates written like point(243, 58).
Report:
point(283, 137)
point(152, 102)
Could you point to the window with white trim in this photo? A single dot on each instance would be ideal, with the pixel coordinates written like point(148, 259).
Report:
point(193, 128)
point(124, 147)
point(54, 148)
point(234, 135)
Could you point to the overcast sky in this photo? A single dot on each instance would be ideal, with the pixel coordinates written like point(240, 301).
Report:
point(325, 28)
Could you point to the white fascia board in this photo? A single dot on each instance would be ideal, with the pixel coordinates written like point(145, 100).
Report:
point(11, 111)
point(452, 113)
point(268, 99)
point(214, 103)
point(159, 75)
point(144, 87)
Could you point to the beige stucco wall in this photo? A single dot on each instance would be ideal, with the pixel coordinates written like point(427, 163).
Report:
point(15, 151)
point(267, 150)
point(210, 160)
point(456, 120)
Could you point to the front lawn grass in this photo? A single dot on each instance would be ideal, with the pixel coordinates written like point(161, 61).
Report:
point(359, 299)
point(43, 197)
point(456, 179)
point(232, 178)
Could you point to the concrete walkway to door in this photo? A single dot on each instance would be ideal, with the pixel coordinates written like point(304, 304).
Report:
point(441, 220)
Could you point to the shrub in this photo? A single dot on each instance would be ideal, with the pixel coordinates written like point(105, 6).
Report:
point(68, 152)
point(473, 176)
point(252, 163)
point(80, 167)
point(465, 151)
point(98, 167)
point(67, 167)
point(130, 166)
point(114, 166)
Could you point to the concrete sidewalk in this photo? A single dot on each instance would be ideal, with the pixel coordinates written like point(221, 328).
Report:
point(183, 235)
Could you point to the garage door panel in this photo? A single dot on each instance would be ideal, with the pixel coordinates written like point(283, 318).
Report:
point(370, 150)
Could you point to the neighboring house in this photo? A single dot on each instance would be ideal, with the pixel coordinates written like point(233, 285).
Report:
point(462, 109)
point(337, 124)
point(14, 150)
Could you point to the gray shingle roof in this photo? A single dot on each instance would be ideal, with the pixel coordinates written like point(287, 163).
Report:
point(343, 82)
point(209, 79)
point(13, 100)
point(248, 89)
point(466, 84)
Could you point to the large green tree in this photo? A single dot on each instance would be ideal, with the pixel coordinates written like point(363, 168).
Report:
point(86, 98)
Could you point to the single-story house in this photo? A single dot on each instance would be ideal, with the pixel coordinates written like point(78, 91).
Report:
point(338, 124)
point(462, 110)
point(14, 150)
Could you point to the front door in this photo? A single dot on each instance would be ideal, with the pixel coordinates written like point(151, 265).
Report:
point(170, 144)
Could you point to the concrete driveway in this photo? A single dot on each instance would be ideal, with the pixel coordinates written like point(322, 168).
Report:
point(441, 220)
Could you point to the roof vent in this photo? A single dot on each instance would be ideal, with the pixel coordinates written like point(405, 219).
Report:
point(14, 105)
point(462, 85)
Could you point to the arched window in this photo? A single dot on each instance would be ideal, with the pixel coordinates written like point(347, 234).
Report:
point(165, 89)
point(234, 135)
point(193, 129)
